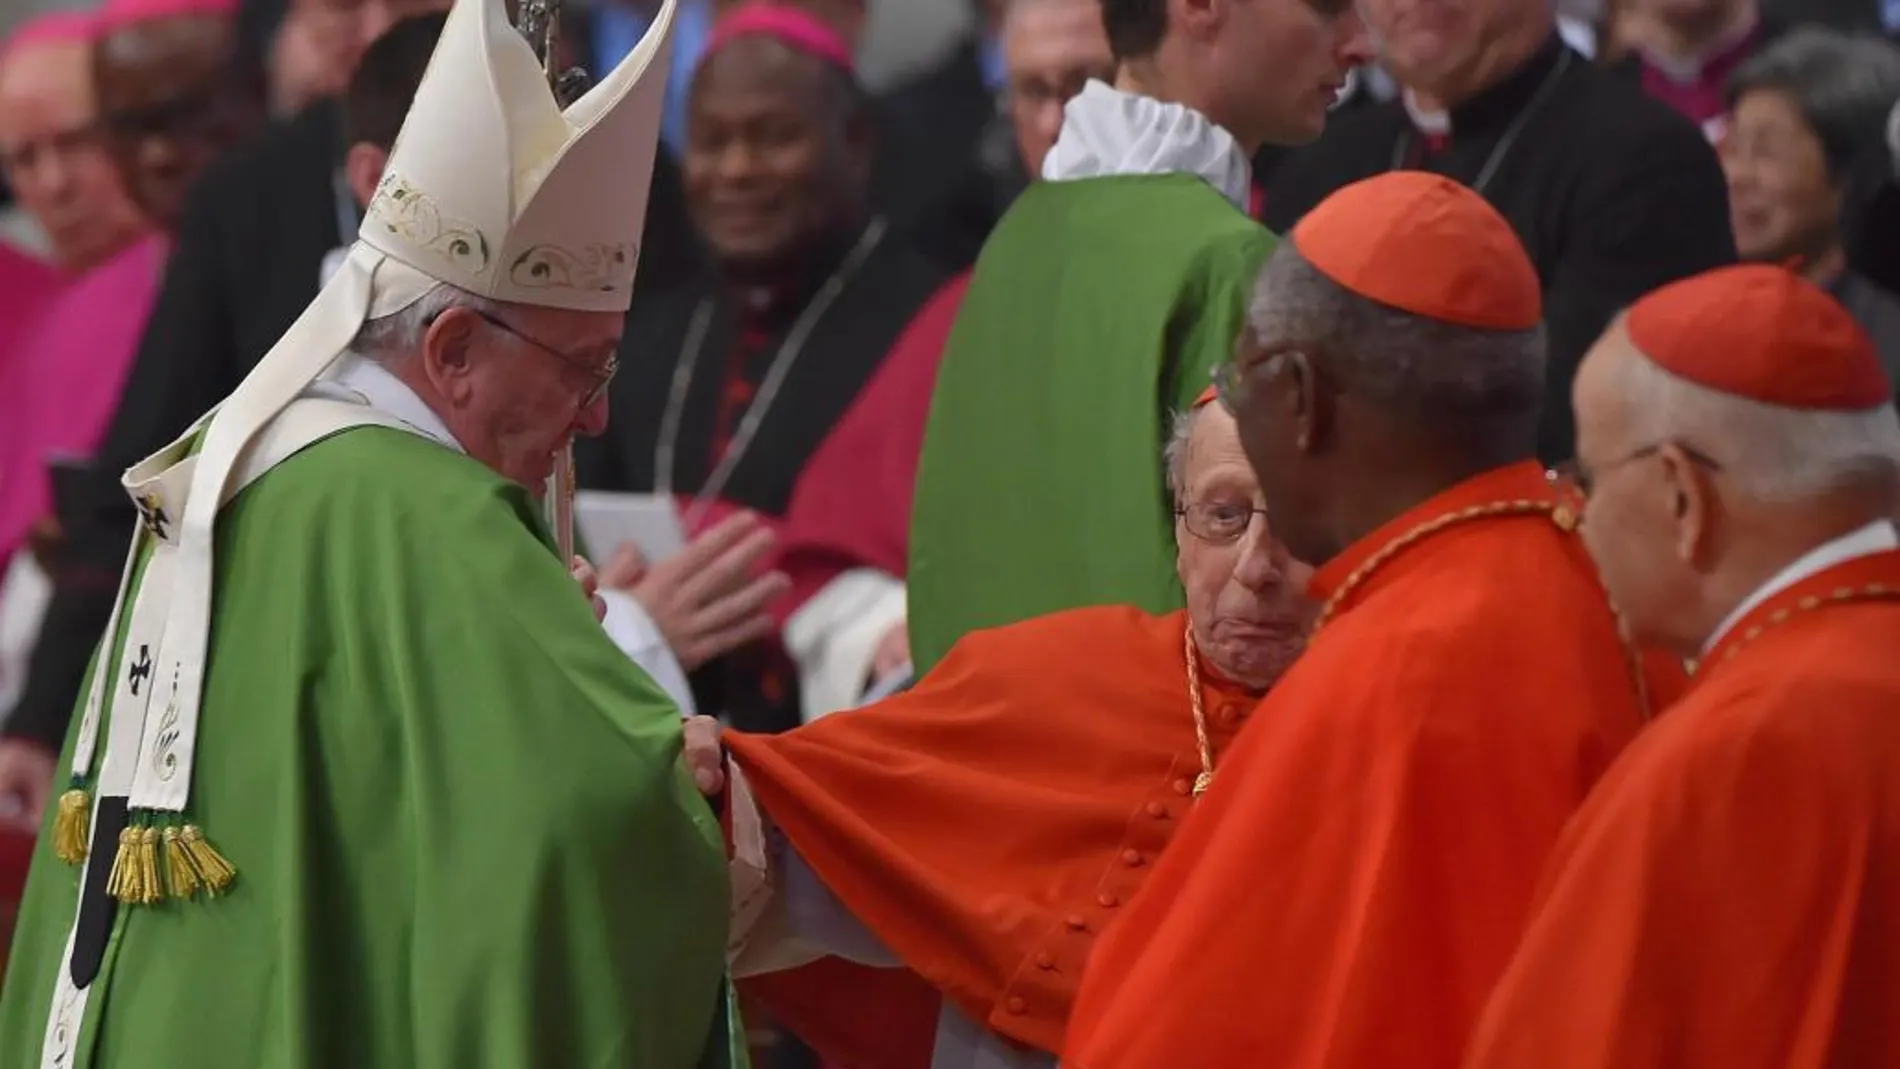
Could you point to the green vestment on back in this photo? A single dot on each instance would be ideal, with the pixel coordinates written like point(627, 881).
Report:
point(1098, 308)
point(462, 831)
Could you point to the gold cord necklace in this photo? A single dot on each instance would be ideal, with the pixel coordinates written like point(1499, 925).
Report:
point(1202, 781)
point(1562, 515)
point(1563, 518)
point(1838, 596)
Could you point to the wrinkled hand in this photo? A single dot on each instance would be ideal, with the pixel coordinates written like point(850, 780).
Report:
point(705, 758)
point(583, 574)
point(26, 782)
point(892, 652)
point(705, 599)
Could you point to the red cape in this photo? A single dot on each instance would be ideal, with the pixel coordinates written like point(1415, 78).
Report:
point(987, 825)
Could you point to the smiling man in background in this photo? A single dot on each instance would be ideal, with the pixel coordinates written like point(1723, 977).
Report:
point(732, 379)
point(848, 529)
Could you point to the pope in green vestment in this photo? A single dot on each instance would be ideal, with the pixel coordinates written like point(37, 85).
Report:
point(377, 790)
point(463, 835)
point(1099, 307)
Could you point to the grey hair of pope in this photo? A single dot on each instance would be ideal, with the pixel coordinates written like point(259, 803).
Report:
point(1845, 87)
point(1417, 367)
point(1768, 453)
point(399, 334)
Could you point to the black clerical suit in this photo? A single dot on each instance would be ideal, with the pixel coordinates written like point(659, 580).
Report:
point(697, 361)
point(949, 159)
point(1612, 193)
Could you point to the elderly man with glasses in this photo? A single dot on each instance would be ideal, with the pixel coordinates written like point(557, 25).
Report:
point(1354, 881)
point(924, 877)
point(1731, 893)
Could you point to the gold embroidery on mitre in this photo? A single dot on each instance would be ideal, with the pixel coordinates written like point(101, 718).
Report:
point(600, 267)
point(413, 216)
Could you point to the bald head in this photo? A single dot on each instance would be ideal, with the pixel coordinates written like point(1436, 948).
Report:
point(53, 156)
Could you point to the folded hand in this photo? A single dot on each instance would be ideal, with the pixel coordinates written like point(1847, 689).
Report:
point(705, 599)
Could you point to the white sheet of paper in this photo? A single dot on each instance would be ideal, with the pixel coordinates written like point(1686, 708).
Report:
point(608, 520)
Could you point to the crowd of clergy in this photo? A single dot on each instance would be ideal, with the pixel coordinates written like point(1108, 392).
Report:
point(1290, 533)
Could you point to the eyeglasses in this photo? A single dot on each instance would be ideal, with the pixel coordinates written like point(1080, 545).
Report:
point(1217, 522)
point(1576, 481)
point(602, 375)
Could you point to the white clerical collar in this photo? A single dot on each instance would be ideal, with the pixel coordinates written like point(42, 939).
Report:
point(1877, 537)
point(1432, 122)
point(1106, 132)
point(356, 377)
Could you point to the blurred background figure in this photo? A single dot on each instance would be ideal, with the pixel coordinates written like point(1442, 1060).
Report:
point(169, 105)
point(730, 381)
point(1684, 51)
point(172, 94)
point(848, 528)
point(1805, 154)
point(1611, 191)
point(51, 151)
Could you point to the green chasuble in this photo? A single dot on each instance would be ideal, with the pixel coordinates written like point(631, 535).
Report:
point(462, 831)
point(1098, 308)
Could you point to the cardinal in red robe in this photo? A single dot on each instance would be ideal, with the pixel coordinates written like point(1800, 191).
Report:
point(919, 882)
point(1730, 896)
point(1353, 883)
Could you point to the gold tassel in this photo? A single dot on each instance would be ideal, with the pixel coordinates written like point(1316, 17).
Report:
point(182, 876)
point(70, 830)
point(212, 866)
point(117, 883)
point(149, 889)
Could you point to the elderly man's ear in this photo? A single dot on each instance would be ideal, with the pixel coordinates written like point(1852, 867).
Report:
point(363, 168)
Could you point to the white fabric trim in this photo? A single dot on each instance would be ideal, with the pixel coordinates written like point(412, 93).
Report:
point(834, 636)
point(1877, 537)
point(136, 738)
point(634, 631)
point(1106, 131)
point(25, 591)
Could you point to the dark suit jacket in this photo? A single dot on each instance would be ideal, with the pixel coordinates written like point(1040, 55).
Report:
point(1612, 193)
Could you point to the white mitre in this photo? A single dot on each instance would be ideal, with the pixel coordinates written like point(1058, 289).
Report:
point(491, 187)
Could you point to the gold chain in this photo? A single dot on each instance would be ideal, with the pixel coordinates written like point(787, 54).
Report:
point(1202, 781)
point(1559, 514)
point(1837, 596)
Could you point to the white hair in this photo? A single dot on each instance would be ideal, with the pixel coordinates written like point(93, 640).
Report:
point(1174, 455)
point(400, 333)
point(1768, 453)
